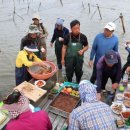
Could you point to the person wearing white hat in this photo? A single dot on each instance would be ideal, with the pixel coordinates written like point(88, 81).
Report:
point(58, 37)
point(25, 59)
point(32, 38)
point(44, 33)
point(103, 42)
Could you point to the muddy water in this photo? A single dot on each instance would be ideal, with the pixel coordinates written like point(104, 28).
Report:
point(11, 31)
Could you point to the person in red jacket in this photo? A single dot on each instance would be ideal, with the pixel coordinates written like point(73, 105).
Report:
point(22, 117)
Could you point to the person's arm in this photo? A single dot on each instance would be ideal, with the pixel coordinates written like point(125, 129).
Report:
point(93, 50)
point(116, 45)
point(85, 48)
point(119, 72)
point(54, 36)
point(99, 68)
point(73, 122)
point(64, 48)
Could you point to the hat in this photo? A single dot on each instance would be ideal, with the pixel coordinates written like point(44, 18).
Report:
point(59, 21)
point(33, 29)
point(31, 48)
point(111, 57)
point(110, 26)
point(36, 16)
point(87, 91)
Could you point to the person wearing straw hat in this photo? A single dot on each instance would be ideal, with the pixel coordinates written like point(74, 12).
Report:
point(32, 38)
point(25, 59)
point(44, 33)
point(58, 37)
point(102, 43)
point(21, 116)
point(92, 114)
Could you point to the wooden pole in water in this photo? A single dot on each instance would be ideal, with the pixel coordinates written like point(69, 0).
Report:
point(99, 12)
point(89, 8)
point(122, 21)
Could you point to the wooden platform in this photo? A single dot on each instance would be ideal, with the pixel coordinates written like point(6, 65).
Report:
point(57, 121)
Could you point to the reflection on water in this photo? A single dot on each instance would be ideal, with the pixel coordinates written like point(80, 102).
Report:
point(11, 31)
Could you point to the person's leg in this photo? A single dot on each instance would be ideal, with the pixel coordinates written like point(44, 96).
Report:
point(94, 73)
point(58, 52)
point(78, 69)
point(69, 68)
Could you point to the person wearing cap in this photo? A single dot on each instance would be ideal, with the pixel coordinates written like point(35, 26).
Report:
point(21, 116)
point(108, 66)
point(58, 37)
point(25, 59)
point(75, 44)
point(32, 38)
point(92, 114)
point(102, 43)
point(43, 35)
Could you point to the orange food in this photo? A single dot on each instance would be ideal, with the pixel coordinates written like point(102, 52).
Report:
point(69, 90)
point(127, 95)
point(40, 83)
point(126, 114)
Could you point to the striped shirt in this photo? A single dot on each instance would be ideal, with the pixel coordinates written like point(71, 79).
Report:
point(92, 116)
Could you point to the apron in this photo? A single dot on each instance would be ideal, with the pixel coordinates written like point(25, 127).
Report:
point(21, 74)
point(72, 50)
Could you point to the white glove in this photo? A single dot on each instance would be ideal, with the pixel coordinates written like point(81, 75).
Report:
point(61, 39)
point(42, 49)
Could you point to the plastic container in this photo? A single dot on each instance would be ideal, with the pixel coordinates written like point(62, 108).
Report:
point(125, 79)
point(43, 76)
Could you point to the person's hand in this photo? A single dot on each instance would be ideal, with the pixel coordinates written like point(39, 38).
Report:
point(43, 50)
point(51, 44)
point(61, 39)
point(115, 86)
point(63, 62)
point(81, 52)
point(128, 70)
point(90, 63)
point(99, 96)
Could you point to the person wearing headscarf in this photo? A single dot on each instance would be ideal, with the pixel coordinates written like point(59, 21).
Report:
point(21, 116)
point(75, 45)
point(92, 114)
point(43, 35)
point(32, 38)
point(58, 37)
point(25, 59)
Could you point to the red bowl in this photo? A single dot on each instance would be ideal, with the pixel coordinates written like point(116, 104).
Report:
point(43, 76)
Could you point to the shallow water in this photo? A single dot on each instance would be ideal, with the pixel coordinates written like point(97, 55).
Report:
point(11, 31)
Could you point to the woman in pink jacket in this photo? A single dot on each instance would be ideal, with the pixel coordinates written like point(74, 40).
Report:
point(21, 116)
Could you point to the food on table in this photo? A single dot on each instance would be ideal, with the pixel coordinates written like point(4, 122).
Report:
point(117, 108)
point(120, 122)
point(126, 114)
point(120, 96)
point(3, 117)
point(127, 95)
point(27, 88)
point(126, 103)
point(65, 102)
point(44, 69)
point(121, 88)
point(40, 83)
point(71, 91)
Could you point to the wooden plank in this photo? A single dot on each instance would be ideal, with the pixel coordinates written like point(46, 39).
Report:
point(61, 123)
point(56, 122)
point(52, 117)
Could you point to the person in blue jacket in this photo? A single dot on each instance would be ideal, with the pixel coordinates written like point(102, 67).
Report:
point(58, 37)
point(103, 42)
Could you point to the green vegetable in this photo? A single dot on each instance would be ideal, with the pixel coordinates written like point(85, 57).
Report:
point(127, 122)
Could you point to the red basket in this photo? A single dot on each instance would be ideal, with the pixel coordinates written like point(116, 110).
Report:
point(43, 76)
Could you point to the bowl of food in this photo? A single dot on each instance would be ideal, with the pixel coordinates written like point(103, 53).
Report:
point(118, 108)
point(126, 103)
point(125, 115)
point(40, 83)
point(120, 96)
point(127, 95)
point(45, 71)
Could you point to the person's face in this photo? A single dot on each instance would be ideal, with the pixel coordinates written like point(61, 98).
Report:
point(33, 35)
point(59, 27)
point(107, 32)
point(76, 29)
point(36, 21)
